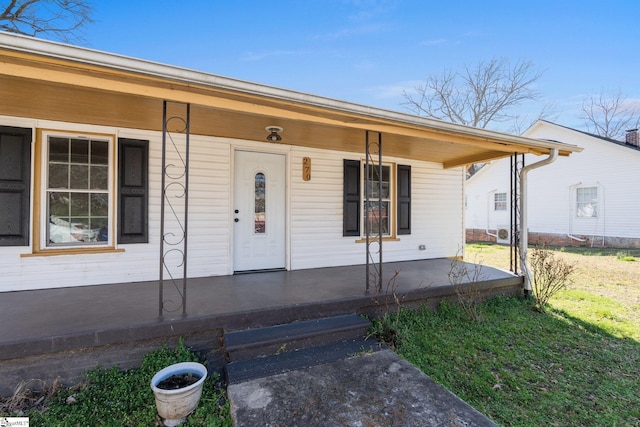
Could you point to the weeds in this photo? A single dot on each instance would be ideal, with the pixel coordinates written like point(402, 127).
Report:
point(465, 282)
point(29, 394)
point(386, 327)
point(389, 327)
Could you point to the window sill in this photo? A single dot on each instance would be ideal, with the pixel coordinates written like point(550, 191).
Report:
point(373, 239)
point(73, 251)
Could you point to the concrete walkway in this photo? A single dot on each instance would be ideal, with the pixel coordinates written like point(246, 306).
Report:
point(369, 390)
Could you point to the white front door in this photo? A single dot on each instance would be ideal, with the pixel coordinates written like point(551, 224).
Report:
point(259, 211)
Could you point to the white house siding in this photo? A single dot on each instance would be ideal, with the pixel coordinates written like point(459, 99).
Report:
point(479, 196)
point(209, 207)
point(437, 197)
point(610, 167)
point(315, 216)
point(208, 249)
point(316, 213)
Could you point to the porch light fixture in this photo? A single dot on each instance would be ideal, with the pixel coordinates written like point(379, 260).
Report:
point(273, 133)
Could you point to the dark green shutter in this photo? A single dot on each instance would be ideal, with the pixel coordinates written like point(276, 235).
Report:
point(404, 199)
point(133, 189)
point(15, 184)
point(351, 192)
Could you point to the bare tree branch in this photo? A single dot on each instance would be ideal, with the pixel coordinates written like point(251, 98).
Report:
point(478, 95)
point(59, 19)
point(521, 123)
point(610, 115)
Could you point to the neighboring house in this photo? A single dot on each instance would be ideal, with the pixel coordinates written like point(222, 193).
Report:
point(589, 200)
point(82, 136)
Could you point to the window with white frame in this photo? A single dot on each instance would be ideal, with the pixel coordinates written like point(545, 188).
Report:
point(500, 202)
point(77, 189)
point(378, 211)
point(587, 202)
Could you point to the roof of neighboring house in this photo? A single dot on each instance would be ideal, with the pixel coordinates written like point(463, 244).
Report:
point(38, 77)
point(593, 135)
point(482, 170)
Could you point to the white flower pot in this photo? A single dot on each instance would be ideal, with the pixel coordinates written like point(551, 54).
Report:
point(174, 405)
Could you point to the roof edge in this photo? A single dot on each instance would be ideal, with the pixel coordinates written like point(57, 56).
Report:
point(83, 55)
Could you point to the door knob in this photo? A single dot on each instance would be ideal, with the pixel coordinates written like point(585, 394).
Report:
point(236, 220)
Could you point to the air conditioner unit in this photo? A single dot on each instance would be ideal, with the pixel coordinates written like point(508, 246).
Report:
point(503, 234)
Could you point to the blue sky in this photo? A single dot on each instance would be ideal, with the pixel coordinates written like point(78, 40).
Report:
point(369, 51)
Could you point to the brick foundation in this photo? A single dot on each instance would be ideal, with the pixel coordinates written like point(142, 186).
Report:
point(551, 239)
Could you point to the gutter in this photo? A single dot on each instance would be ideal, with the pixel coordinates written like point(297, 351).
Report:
point(524, 226)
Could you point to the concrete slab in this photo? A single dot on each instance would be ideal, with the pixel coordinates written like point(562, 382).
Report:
point(372, 389)
point(31, 315)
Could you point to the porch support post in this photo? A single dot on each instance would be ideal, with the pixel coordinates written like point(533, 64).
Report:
point(517, 163)
point(174, 208)
point(373, 213)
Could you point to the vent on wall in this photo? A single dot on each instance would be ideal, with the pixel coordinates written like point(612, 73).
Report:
point(503, 234)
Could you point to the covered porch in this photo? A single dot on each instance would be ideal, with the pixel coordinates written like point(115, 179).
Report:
point(53, 86)
point(67, 329)
point(117, 323)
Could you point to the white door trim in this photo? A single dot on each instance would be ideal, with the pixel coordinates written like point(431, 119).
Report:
point(237, 263)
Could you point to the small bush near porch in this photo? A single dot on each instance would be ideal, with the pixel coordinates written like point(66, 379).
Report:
point(576, 364)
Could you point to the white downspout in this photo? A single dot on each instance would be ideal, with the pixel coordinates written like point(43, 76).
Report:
point(524, 226)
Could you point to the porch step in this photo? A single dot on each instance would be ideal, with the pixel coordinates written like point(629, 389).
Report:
point(257, 353)
point(252, 343)
point(245, 370)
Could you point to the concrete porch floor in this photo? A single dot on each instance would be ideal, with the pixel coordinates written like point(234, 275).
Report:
point(102, 323)
point(47, 313)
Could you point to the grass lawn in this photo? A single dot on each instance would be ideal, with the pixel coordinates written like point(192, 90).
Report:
point(578, 364)
point(605, 289)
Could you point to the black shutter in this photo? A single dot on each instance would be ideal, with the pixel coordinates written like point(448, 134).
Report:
point(133, 189)
point(15, 184)
point(404, 199)
point(351, 209)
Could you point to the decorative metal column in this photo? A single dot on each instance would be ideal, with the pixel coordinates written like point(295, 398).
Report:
point(517, 163)
point(174, 211)
point(373, 213)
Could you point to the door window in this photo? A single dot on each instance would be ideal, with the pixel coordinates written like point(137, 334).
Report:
point(260, 204)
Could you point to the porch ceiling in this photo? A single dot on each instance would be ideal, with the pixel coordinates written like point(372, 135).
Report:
point(53, 87)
